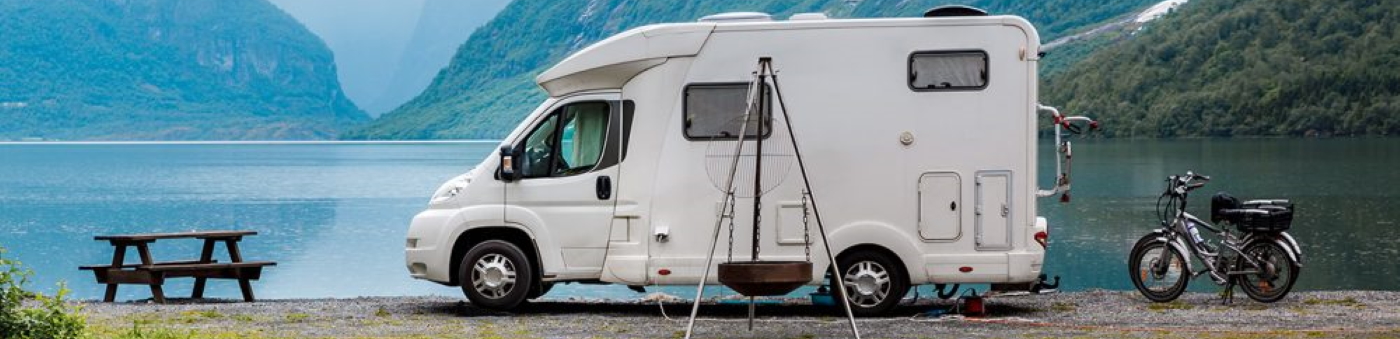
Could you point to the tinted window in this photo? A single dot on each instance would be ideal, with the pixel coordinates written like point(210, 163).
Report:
point(716, 111)
point(935, 71)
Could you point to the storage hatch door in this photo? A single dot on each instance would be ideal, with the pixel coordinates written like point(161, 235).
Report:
point(940, 206)
point(993, 210)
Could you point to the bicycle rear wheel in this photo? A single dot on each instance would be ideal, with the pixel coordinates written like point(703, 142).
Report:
point(1159, 276)
point(1275, 275)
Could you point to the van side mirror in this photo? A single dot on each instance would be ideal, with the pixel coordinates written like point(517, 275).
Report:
point(510, 170)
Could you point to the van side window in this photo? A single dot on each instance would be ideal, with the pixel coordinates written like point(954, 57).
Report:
point(716, 111)
point(619, 133)
point(947, 70)
point(569, 141)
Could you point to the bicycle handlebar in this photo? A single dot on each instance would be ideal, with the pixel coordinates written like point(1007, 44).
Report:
point(1185, 183)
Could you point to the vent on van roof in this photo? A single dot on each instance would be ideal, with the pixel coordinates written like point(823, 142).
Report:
point(737, 17)
point(954, 10)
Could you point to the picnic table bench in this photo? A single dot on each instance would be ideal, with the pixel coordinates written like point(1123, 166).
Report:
point(153, 273)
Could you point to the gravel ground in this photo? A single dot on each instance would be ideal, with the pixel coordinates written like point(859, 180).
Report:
point(1092, 314)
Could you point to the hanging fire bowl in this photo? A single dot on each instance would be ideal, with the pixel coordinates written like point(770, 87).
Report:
point(765, 278)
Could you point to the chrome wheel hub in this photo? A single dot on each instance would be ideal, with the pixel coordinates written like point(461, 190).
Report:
point(493, 276)
point(867, 283)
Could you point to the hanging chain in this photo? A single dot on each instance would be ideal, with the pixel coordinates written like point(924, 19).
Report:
point(806, 231)
point(756, 219)
point(729, 197)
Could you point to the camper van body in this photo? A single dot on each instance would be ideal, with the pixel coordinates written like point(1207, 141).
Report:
point(939, 177)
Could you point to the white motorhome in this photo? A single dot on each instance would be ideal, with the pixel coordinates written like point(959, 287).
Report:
point(919, 135)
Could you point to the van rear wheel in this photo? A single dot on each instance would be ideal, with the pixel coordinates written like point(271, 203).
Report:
point(874, 282)
point(496, 275)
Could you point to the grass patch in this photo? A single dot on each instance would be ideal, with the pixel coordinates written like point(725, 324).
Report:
point(297, 317)
point(1064, 307)
point(138, 332)
point(381, 312)
point(1174, 305)
point(194, 316)
point(1257, 307)
point(1348, 301)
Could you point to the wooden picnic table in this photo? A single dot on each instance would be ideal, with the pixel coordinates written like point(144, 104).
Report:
point(153, 273)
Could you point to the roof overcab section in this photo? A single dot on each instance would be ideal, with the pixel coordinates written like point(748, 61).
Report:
point(612, 62)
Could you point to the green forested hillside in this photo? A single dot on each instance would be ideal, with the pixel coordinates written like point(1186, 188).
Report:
point(164, 69)
point(1246, 68)
point(489, 85)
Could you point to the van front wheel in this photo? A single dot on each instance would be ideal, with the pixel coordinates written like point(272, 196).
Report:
point(874, 283)
point(496, 275)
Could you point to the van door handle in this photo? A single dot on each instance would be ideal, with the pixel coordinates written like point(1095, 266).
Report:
point(604, 187)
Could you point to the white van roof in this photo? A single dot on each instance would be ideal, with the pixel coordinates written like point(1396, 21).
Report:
point(612, 62)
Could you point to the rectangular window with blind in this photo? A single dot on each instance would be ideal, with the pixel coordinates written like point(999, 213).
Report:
point(715, 111)
point(948, 71)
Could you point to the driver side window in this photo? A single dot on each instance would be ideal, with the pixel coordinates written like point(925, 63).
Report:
point(569, 141)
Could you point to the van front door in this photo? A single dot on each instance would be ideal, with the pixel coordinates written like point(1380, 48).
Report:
point(568, 180)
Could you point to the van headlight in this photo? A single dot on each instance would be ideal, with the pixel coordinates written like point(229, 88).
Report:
point(446, 192)
point(451, 189)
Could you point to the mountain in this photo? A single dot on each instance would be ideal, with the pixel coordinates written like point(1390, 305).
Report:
point(367, 37)
point(389, 50)
point(164, 70)
point(488, 87)
point(442, 26)
point(1246, 68)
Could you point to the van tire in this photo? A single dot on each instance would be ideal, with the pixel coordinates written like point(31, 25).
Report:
point(863, 268)
point(496, 275)
point(541, 290)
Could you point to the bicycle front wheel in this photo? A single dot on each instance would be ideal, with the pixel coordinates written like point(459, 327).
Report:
point(1158, 270)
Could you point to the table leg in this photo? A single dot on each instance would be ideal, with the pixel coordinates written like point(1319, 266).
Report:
point(235, 256)
point(118, 257)
point(156, 292)
point(205, 257)
point(247, 289)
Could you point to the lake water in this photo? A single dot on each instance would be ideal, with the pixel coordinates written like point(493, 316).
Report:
point(333, 215)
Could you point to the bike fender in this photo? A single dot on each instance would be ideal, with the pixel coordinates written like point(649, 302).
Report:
point(1291, 250)
point(1180, 248)
point(1293, 244)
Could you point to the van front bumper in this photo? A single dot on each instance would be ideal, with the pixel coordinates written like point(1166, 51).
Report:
point(428, 249)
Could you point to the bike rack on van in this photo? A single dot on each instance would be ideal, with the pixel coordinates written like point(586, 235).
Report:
point(1063, 147)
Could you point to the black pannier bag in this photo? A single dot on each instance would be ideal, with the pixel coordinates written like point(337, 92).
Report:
point(1262, 216)
point(1222, 201)
point(1279, 217)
